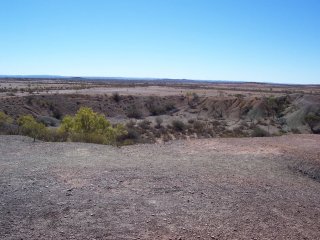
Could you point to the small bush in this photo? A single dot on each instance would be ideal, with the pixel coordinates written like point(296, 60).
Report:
point(178, 125)
point(191, 121)
point(313, 120)
point(159, 121)
point(195, 97)
point(88, 138)
point(56, 113)
point(116, 97)
point(32, 128)
point(170, 106)
point(53, 135)
point(89, 126)
point(239, 132)
point(134, 112)
point(9, 129)
point(145, 124)
point(127, 142)
point(29, 100)
point(133, 134)
point(156, 109)
point(5, 119)
point(199, 126)
point(295, 131)
point(130, 124)
point(259, 132)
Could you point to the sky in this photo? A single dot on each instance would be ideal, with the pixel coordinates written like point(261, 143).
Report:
point(245, 40)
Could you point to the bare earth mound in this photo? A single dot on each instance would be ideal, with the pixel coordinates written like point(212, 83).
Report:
point(198, 189)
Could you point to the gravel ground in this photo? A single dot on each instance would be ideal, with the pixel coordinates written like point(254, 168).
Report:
point(198, 189)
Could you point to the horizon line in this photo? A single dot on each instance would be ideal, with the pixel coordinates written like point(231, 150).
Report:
point(42, 76)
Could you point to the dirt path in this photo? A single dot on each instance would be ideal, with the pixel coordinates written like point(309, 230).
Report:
point(199, 189)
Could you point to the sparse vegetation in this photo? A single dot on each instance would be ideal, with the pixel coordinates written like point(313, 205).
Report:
point(145, 124)
point(159, 121)
point(179, 125)
point(134, 112)
point(116, 97)
point(259, 132)
point(210, 117)
point(30, 127)
point(313, 119)
point(5, 119)
point(89, 126)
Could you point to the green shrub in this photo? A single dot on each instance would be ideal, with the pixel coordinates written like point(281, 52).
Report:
point(134, 112)
point(88, 138)
point(6, 126)
point(127, 142)
point(159, 121)
point(130, 124)
point(56, 113)
point(195, 97)
point(89, 126)
point(312, 120)
point(178, 125)
point(54, 135)
point(295, 131)
point(199, 126)
point(30, 127)
point(145, 124)
point(156, 109)
point(116, 97)
point(191, 121)
point(259, 132)
point(5, 119)
point(133, 134)
point(170, 106)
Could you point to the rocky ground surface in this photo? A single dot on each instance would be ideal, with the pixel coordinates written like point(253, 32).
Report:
point(199, 189)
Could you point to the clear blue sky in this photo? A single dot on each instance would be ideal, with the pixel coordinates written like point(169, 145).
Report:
point(251, 40)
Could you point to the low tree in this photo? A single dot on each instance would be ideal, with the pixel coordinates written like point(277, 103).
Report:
point(66, 124)
point(313, 120)
point(6, 126)
point(30, 127)
point(272, 106)
point(88, 125)
point(5, 119)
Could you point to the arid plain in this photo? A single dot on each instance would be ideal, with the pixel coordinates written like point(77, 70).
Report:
point(226, 161)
